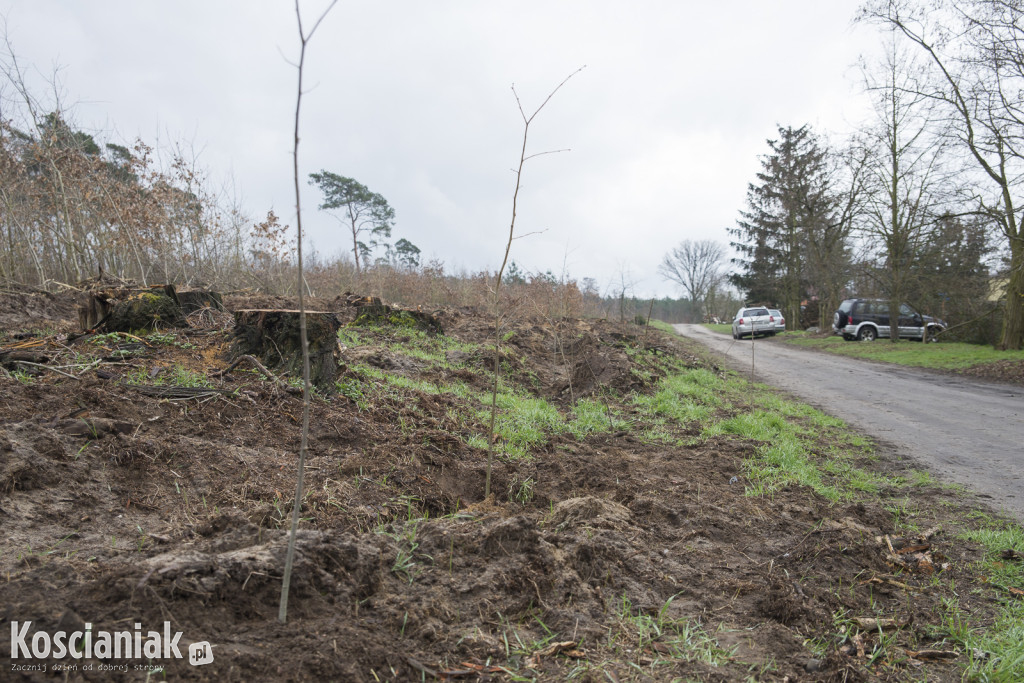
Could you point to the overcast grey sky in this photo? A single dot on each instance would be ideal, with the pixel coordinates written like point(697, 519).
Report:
point(413, 99)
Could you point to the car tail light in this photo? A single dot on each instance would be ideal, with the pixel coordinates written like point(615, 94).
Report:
point(771, 318)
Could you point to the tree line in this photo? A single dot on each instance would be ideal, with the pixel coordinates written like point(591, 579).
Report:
point(919, 204)
point(72, 206)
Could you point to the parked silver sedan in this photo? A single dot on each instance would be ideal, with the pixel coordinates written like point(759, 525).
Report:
point(753, 321)
point(780, 322)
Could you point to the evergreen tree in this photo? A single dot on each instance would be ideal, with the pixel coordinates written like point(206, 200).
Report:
point(788, 208)
point(362, 211)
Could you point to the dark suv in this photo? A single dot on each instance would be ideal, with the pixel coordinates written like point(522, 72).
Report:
point(868, 319)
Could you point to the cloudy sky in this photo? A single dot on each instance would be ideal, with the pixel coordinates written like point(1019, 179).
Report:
point(413, 99)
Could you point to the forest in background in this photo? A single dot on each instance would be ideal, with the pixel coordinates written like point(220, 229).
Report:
point(918, 204)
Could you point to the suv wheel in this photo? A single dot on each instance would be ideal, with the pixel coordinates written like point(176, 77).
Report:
point(867, 333)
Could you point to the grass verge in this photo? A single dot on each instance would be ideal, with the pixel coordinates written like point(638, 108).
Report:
point(941, 356)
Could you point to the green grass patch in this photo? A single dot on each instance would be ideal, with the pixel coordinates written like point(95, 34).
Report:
point(397, 381)
point(941, 356)
point(663, 326)
point(720, 328)
point(686, 397)
point(177, 375)
point(593, 417)
point(522, 423)
point(995, 653)
point(783, 458)
point(681, 640)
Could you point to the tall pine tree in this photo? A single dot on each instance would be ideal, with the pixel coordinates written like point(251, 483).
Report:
point(788, 209)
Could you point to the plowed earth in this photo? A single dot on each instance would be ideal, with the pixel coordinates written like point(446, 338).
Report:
point(608, 556)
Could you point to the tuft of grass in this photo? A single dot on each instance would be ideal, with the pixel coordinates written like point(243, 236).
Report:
point(679, 639)
point(684, 398)
point(520, 491)
point(168, 339)
point(523, 423)
point(22, 376)
point(407, 559)
point(593, 417)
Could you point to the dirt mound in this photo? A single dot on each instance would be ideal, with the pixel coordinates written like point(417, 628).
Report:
point(589, 511)
point(33, 310)
point(1007, 371)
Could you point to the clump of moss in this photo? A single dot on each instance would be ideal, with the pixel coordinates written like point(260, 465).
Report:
point(145, 311)
point(380, 315)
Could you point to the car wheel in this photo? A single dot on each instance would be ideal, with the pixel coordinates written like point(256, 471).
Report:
point(867, 333)
point(932, 332)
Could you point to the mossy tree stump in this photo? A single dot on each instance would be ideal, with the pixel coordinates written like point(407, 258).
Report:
point(273, 337)
point(374, 313)
point(127, 309)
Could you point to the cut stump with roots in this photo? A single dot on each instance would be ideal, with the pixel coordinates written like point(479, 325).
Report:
point(273, 337)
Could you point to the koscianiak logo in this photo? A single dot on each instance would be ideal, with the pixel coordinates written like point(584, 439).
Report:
point(149, 647)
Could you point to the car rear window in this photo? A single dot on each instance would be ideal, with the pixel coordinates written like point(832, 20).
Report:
point(846, 306)
point(756, 311)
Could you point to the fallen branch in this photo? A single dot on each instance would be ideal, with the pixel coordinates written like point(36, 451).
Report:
point(46, 367)
point(259, 367)
point(172, 392)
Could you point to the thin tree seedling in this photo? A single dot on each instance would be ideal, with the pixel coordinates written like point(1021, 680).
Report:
point(304, 39)
point(523, 158)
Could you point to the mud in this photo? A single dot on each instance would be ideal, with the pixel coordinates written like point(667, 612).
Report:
point(176, 510)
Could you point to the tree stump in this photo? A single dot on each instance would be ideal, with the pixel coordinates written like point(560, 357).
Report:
point(199, 300)
point(273, 337)
point(128, 309)
point(374, 313)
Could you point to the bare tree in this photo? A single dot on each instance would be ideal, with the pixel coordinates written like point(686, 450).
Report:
point(976, 51)
point(304, 39)
point(695, 265)
point(902, 176)
point(523, 158)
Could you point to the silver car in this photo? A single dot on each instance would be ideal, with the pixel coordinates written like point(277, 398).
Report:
point(753, 321)
point(780, 322)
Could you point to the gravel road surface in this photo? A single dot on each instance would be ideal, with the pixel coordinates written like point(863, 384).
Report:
point(964, 431)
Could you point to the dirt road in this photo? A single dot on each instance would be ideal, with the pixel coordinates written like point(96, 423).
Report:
point(965, 431)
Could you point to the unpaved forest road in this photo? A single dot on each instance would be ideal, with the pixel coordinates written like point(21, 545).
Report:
point(966, 431)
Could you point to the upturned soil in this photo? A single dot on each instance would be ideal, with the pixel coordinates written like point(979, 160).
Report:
point(609, 556)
